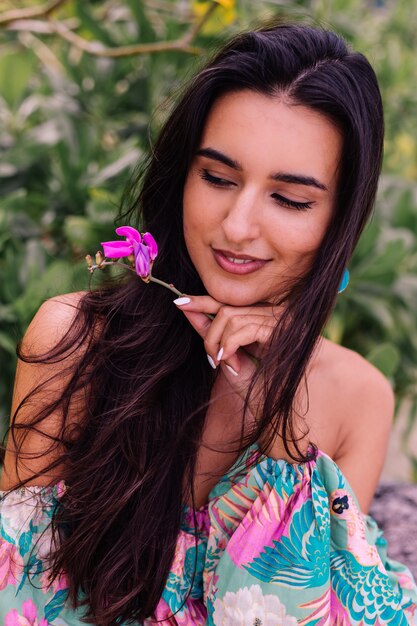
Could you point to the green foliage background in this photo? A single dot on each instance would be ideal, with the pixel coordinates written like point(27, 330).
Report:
point(74, 124)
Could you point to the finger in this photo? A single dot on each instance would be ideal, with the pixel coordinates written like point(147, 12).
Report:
point(202, 304)
point(244, 330)
point(201, 323)
point(212, 332)
point(196, 309)
point(207, 304)
point(229, 316)
point(218, 336)
point(252, 333)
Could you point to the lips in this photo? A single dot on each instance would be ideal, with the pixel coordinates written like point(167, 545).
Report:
point(235, 255)
point(245, 265)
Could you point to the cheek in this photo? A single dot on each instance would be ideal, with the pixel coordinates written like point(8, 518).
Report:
point(192, 223)
point(298, 234)
point(199, 217)
point(194, 219)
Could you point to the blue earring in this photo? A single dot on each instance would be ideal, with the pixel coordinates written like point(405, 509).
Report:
point(345, 281)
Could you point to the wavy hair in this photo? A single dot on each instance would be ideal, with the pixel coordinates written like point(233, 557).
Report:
point(132, 461)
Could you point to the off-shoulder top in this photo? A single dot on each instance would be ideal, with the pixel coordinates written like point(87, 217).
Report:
point(277, 545)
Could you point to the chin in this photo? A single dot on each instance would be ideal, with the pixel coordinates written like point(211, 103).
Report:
point(238, 297)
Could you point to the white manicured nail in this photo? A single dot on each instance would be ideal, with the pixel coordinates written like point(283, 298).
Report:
point(180, 301)
point(212, 363)
point(220, 354)
point(231, 370)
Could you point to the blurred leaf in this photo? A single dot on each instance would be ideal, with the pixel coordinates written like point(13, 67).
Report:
point(84, 236)
point(7, 344)
point(410, 422)
point(386, 358)
point(125, 161)
point(92, 26)
point(57, 278)
point(335, 328)
point(413, 460)
point(6, 313)
point(382, 267)
point(15, 69)
point(146, 32)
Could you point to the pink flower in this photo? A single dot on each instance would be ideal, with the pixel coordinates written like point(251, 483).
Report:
point(143, 248)
point(29, 616)
point(11, 564)
point(142, 260)
point(117, 249)
point(150, 242)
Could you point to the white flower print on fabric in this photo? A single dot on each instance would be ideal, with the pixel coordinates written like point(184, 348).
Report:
point(19, 508)
point(249, 607)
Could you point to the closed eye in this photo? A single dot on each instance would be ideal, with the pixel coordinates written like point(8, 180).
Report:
point(214, 180)
point(281, 200)
point(291, 204)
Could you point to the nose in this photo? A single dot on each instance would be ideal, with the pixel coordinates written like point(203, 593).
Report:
point(241, 222)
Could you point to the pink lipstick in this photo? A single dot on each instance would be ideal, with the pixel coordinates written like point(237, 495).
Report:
point(237, 263)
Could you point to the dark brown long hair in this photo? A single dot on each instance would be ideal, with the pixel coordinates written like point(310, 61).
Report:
point(143, 369)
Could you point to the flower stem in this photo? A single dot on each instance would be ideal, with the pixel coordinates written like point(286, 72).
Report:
point(167, 285)
point(93, 268)
point(172, 288)
point(152, 279)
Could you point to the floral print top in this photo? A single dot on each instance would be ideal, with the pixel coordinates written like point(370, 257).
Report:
point(278, 544)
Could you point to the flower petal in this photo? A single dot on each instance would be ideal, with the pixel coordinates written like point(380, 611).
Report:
point(11, 618)
point(131, 234)
point(116, 249)
point(142, 261)
point(151, 244)
point(29, 610)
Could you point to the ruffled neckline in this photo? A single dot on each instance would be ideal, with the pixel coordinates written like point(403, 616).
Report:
point(250, 458)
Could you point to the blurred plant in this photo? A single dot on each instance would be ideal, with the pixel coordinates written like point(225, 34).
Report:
point(72, 128)
point(376, 314)
point(82, 83)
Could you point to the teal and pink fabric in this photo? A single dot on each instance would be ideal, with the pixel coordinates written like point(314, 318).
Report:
point(278, 544)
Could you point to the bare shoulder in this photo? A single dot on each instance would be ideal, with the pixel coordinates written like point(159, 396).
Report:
point(356, 382)
point(50, 324)
point(65, 301)
point(53, 318)
point(362, 401)
point(40, 379)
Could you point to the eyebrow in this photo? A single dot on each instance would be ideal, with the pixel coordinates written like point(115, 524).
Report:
point(284, 177)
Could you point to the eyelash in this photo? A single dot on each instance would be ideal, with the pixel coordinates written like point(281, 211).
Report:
point(221, 182)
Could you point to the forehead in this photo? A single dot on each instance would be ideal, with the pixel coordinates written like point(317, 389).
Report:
point(266, 134)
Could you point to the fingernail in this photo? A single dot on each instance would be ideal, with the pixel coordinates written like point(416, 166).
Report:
point(212, 363)
point(220, 354)
point(180, 301)
point(231, 370)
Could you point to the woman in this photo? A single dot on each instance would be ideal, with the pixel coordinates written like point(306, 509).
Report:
point(156, 483)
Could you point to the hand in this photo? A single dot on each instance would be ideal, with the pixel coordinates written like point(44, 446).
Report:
point(231, 329)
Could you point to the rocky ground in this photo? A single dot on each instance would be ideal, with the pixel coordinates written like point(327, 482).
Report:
point(395, 503)
point(395, 509)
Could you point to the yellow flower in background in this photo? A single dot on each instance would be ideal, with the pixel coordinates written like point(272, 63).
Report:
point(401, 155)
point(227, 4)
point(405, 144)
point(223, 15)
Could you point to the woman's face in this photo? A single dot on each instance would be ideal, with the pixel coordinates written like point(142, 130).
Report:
point(259, 195)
